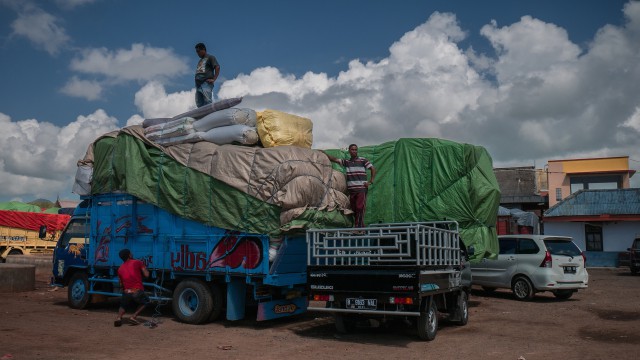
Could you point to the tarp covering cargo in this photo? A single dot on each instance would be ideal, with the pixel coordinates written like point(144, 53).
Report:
point(33, 220)
point(19, 206)
point(434, 179)
point(277, 189)
point(243, 188)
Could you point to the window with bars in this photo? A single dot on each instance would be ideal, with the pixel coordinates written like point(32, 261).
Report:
point(558, 194)
point(593, 237)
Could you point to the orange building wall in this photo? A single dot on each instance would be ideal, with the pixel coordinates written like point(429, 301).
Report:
point(558, 170)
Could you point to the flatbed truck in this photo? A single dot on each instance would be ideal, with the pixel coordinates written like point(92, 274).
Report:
point(414, 271)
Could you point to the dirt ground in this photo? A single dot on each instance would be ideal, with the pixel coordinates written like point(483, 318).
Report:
point(602, 322)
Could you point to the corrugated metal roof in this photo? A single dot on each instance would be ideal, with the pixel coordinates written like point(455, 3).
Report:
point(598, 202)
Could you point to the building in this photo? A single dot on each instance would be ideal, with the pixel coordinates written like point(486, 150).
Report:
point(523, 188)
point(568, 176)
point(601, 222)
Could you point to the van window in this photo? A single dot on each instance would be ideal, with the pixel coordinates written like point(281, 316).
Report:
point(527, 246)
point(562, 247)
point(507, 246)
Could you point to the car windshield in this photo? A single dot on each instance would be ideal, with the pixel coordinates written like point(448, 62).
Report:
point(562, 247)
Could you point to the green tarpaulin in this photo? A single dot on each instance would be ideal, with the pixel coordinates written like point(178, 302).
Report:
point(434, 179)
point(19, 206)
point(418, 180)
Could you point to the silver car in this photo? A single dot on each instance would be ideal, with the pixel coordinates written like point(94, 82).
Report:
point(533, 263)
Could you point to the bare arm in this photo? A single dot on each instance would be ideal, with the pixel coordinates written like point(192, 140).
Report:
point(216, 72)
point(332, 158)
point(373, 174)
point(145, 272)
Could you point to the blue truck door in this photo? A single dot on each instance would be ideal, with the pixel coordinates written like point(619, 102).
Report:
point(71, 250)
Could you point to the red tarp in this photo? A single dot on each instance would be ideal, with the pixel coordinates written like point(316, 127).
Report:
point(33, 221)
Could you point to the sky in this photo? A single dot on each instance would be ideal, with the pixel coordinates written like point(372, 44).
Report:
point(529, 80)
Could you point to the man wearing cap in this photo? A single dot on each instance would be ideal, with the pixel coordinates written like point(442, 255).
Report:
point(207, 73)
point(130, 274)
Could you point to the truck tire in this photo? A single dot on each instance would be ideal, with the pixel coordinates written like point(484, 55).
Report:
point(218, 303)
point(192, 301)
point(461, 313)
point(522, 288)
point(78, 291)
point(428, 320)
point(344, 323)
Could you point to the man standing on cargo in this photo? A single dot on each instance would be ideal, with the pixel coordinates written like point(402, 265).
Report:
point(130, 274)
point(207, 73)
point(357, 184)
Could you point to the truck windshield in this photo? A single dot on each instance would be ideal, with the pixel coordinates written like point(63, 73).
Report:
point(75, 233)
point(562, 247)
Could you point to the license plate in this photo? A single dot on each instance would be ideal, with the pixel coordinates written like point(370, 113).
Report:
point(362, 304)
point(570, 269)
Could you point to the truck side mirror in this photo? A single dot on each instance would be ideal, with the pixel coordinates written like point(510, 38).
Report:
point(42, 233)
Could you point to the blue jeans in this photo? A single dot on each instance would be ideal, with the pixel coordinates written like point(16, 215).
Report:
point(204, 94)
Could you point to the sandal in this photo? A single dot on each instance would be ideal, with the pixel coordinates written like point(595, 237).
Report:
point(117, 323)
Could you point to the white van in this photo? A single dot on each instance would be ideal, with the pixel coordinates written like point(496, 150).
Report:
point(533, 263)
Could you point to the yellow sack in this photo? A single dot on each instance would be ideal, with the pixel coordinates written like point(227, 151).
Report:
point(277, 128)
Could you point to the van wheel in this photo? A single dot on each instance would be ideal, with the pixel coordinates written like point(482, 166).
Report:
point(78, 291)
point(218, 303)
point(522, 288)
point(563, 294)
point(428, 320)
point(192, 301)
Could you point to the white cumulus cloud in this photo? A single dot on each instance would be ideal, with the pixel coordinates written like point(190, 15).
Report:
point(41, 28)
point(90, 90)
point(38, 159)
point(140, 63)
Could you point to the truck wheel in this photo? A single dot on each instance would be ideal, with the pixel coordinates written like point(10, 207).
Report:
point(345, 323)
point(78, 291)
point(428, 320)
point(563, 294)
point(522, 288)
point(218, 303)
point(192, 301)
point(461, 314)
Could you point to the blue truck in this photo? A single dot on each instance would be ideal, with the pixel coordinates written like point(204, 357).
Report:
point(202, 270)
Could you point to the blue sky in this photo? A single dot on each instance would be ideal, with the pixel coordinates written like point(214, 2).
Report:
point(529, 80)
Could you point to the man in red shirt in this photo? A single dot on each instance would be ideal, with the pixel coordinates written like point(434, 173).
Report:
point(130, 274)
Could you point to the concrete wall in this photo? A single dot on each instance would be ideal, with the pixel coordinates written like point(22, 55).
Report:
point(43, 263)
point(617, 237)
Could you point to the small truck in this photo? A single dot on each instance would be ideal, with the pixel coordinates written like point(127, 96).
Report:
point(413, 271)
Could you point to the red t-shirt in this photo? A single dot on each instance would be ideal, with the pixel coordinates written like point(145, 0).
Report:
point(130, 274)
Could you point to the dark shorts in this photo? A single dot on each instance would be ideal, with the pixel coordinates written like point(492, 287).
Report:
point(128, 300)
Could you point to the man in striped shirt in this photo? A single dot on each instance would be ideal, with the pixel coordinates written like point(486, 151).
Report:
point(357, 184)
